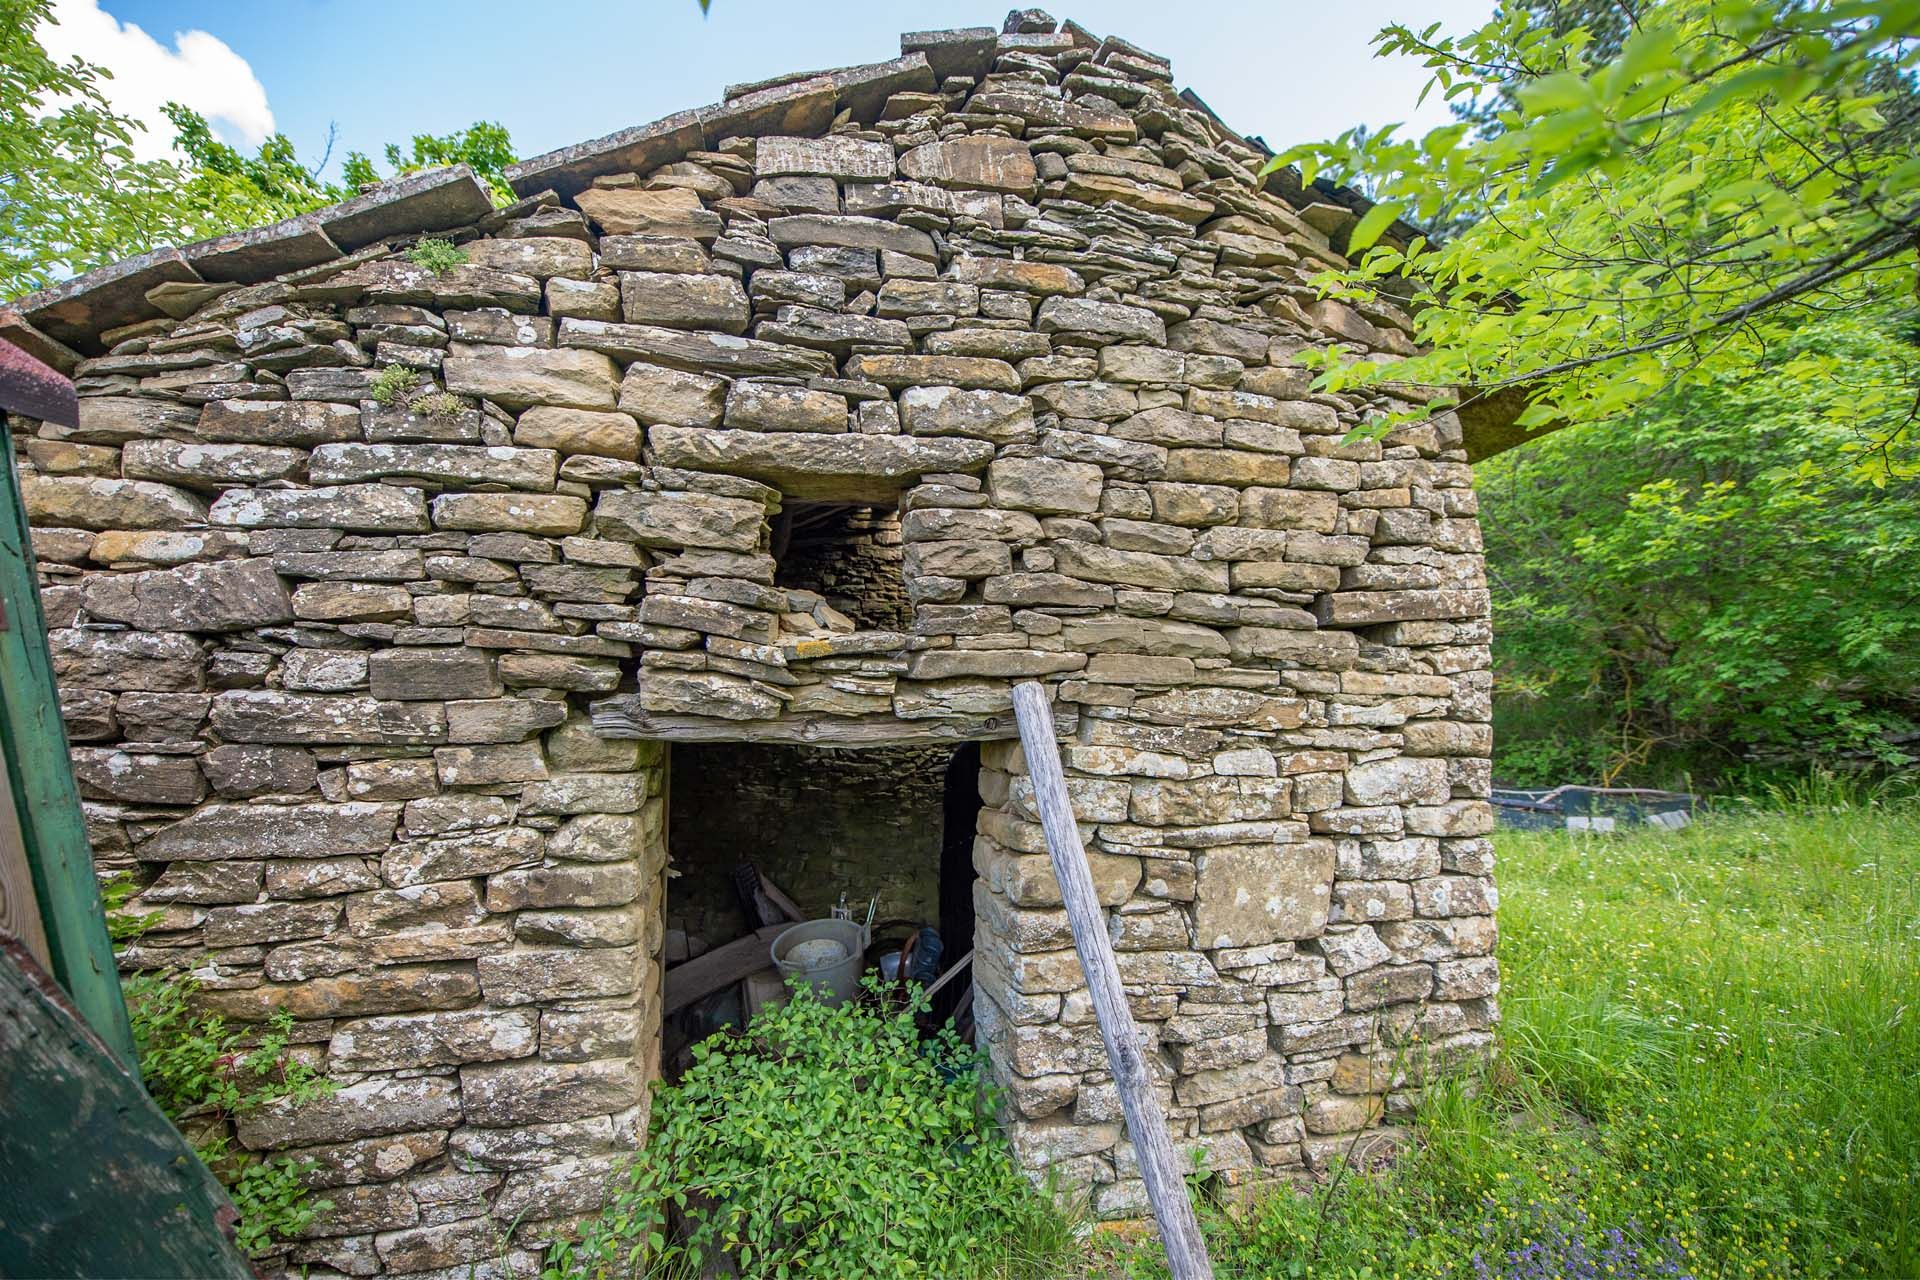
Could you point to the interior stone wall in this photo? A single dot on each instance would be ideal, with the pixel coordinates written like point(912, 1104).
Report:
point(853, 558)
point(817, 821)
point(370, 691)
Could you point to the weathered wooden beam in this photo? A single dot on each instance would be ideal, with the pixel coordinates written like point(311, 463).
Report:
point(27, 386)
point(759, 905)
point(721, 967)
point(46, 802)
point(19, 909)
point(1166, 1188)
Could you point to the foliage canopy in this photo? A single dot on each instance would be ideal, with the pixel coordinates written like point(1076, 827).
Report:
point(1638, 217)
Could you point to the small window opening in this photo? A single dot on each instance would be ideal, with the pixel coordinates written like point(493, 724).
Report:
point(849, 554)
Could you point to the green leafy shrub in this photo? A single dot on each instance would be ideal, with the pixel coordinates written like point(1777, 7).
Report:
point(437, 256)
point(272, 1197)
point(393, 383)
point(823, 1142)
point(203, 1073)
point(1718, 581)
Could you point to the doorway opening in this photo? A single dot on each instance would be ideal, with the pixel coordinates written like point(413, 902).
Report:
point(812, 829)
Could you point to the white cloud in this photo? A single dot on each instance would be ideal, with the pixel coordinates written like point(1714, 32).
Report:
point(200, 71)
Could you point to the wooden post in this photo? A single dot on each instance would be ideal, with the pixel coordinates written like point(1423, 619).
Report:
point(1166, 1187)
point(46, 803)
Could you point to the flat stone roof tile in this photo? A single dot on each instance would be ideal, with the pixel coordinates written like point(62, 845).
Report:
point(76, 311)
point(864, 90)
point(263, 252)
point(571, 170)
point(802, 107)
point(430, 201)
point(55, 355)
point(963, 51)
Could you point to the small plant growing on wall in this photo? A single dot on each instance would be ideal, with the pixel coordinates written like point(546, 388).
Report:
point(203, 1074)
point(392, 384)
point(438, 404)
point(437, 256)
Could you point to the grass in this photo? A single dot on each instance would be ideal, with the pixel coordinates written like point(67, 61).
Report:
point(1709, 1066)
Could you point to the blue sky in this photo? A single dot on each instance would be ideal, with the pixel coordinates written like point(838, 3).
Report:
point(1290, 70)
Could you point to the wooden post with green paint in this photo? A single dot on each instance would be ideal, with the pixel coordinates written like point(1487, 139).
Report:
point(39, 773)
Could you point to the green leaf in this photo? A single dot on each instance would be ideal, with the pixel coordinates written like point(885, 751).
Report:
point(1562, 91)
point(1372, 225)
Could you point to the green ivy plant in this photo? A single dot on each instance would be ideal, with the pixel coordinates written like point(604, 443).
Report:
point(202, 1073)
point(272, 1197)
point(822, 1142)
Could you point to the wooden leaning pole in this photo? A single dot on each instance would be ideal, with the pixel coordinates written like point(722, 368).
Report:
point(1166, 1187)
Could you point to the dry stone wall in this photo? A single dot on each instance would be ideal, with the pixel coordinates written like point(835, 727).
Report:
point(853, 557)
point(372, 696)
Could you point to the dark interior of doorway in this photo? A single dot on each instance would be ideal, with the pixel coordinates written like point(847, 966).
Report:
point(818, 825)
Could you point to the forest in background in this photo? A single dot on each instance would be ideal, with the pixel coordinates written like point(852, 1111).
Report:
point(1709, 591)
point(1721, 588)
point(1683, 230)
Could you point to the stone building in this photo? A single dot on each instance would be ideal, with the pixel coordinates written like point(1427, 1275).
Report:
point(760, 449)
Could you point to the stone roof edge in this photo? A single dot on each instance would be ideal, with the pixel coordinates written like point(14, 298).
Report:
point(1489, 421)
point(789, 105)
point(61, 325)
point(57, 325)
point(1286, 183)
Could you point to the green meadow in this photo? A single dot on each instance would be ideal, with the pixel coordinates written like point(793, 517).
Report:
point(1709, 1066)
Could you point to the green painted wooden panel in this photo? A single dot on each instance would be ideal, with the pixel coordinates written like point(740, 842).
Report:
point(41, 775)
point(93, 1179)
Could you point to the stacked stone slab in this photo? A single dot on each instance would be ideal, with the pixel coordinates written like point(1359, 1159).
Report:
point(372, 696)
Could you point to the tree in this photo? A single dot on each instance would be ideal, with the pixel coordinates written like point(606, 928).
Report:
point(71, 193)
point(236, 189)
point(485, 146)
point(1646, 218)
point(1703, 585)
point(1606, 22)
point(72, 197)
